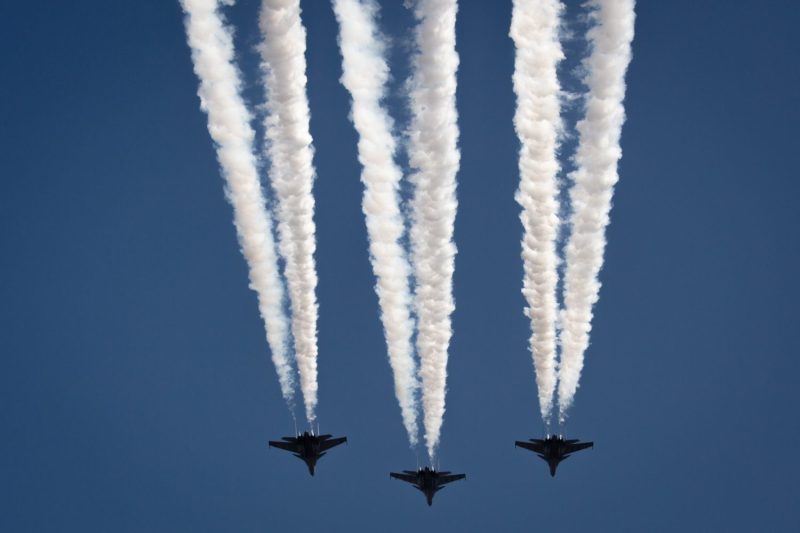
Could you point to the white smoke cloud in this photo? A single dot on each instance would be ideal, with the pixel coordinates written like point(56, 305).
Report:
point(365, 74)
point(534, 30)
point(596, 159)
point(292, 175)
point(229, 125)
point(434, 156)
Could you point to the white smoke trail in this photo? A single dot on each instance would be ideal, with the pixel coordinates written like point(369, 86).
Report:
point(596, 159)
point(229, 126)
point(534, 29)
point(365, 74)
point(434, 156)
point(288, 143)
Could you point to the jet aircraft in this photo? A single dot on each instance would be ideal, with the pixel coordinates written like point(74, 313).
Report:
point(554, 449)
point(308, 447)
point(427, 480)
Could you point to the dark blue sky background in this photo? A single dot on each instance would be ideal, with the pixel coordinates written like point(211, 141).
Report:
point(136, 391)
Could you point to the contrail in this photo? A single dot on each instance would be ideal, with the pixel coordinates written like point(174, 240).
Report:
point(288, 144)
point(365, 74)
point(534, 29)
point(434, 158)
point(596, 160)
point(229, 126)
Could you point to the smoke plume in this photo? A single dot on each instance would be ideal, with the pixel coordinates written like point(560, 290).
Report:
point(288, 143)
point(229, 125)
point(534, 29)
point(596, 173)
point(365, 74)
point(434, 158)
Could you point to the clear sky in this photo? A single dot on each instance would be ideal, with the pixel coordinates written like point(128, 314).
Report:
point(136, 390)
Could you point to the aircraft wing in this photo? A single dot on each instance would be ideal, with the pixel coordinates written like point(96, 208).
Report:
point(532, 446)
point(288, 446)
point(443, 480)
point(408, 478)
point(572, 448)
point(328, 444)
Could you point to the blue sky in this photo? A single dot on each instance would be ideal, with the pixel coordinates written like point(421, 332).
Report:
point(136, 391)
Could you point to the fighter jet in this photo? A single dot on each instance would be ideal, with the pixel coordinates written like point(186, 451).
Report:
point(308, 447)
point(554, 449)
point(427, 480)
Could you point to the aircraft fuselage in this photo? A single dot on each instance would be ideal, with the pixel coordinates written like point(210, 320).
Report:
point(554, 449)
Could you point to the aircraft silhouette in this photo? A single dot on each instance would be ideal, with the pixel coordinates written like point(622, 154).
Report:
point(427, 480)
point(554, 449)
point(308, 447)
